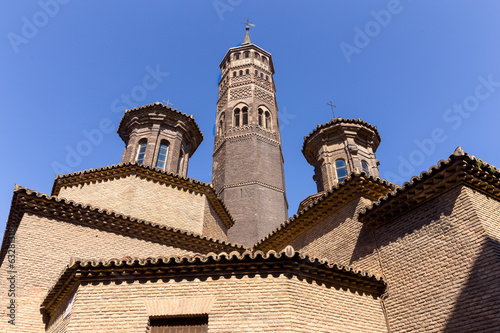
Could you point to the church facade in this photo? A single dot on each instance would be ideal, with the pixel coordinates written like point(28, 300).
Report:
point(140, 247)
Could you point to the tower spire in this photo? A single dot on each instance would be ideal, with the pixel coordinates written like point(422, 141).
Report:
point(246, 40)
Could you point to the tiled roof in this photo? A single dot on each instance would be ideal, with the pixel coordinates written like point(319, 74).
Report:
point(357, 184)
point(26, 200)
point(147, 172)
point(309, 200)
point(460, 168)
point(288, 262)
point(196, 135)
point(188, 117)
point(340, 121)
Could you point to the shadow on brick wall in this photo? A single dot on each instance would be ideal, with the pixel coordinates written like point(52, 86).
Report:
point(407, 223)
point(478, 306)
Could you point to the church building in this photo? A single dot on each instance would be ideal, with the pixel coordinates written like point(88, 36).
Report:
point(140, 247)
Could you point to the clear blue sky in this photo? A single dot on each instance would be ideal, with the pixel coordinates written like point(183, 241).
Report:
point(426, 73)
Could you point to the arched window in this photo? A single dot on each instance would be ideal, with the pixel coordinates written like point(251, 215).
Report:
point(222, 122)
point(236, 117)
point(241, 72)
point(247, 71)
point(161, 160)
point(141, 151)
point(244, 116)
point(257, 56)
point(234, 73)
point(236, 56)
point(264, 59)
point(256, 73)
point(261, 75)
point(247, 54)
point(261, 115)
point(268, 120)
point(365, 167)
point(267, 78)
point(341, 170)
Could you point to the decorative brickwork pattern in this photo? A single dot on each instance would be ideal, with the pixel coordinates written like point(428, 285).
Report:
point(264, 95)
point(264, 84)
point(240, 79)
point(222, 98)
point(240, 93)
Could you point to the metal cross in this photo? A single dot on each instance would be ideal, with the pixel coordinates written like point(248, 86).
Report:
point(248, 22)
point(167, 102)
point(333, 106)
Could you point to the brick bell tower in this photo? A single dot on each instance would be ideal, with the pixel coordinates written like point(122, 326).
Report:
point(247, 160)
point(158, 136)
point(340, 147)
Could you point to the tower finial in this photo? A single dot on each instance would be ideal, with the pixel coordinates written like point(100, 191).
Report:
point(246, 40)
point(333, 106)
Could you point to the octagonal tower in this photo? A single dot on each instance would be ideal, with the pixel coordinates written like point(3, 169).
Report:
point(158, 136)
point(247, 159)
point(340, 147)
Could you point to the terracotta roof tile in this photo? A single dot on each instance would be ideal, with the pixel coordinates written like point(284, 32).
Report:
point(339, 121)
point(147, 106)
point(459, 168)
point(357, 184)
point(26, 200)
point(150, 173)
point(288, 262)
point(162, 113)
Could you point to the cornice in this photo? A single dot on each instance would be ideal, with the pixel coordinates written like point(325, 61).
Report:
point(338, 121)
point(27, 201)
point(189, 123)
point(277, 189)
point(288, 262)
point(355, 186)
point(459, 169)
point(146, 172)
point(239, 137)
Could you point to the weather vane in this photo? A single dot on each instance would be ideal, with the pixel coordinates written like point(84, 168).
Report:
point(333, 106)
point(248, 23)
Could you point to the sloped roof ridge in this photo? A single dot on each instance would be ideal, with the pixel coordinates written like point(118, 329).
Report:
point(133, 163)
point(322, 197)
point(341, 120)
point(288, 252)
point(162, 105)
point(143, 107)
point(457, 155)
point(19, 189)
point(62, 285)
point(210, 190)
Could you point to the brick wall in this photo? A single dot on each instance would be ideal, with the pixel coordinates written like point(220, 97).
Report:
point(44, 247)
point(488, 211)
point(441, 270)
point(212, 225)
point(236, 304)
point(322, 309)
point(251, 166)
point(255, 212)
point(151, 201)
point(341, 238)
